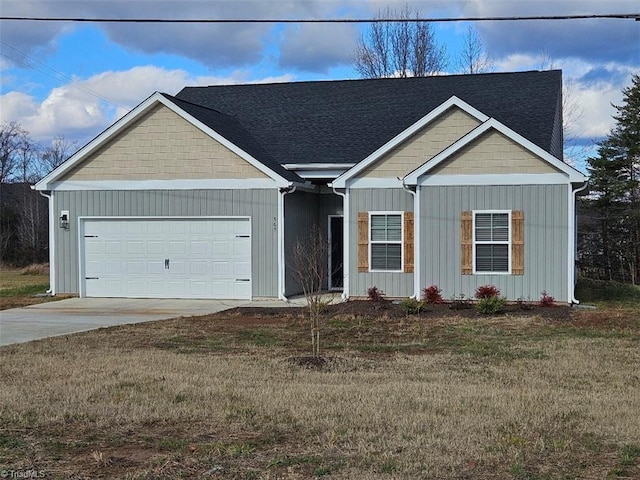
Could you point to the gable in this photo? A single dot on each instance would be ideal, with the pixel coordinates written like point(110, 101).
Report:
point(161, 145)
point(493, 153)
point(423, 145)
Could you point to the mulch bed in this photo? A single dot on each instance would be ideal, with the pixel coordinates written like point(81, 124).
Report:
point(392, 309)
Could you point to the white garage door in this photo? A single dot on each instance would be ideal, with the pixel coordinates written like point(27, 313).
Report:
point(167, 258)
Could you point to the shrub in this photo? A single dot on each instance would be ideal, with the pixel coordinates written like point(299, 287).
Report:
point(412, 306)
point(487, 291)
point(432, 295)
point(491, 305)
point(546, 300)
point(375, 295)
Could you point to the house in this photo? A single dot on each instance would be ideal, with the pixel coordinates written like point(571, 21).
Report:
point(451, 180)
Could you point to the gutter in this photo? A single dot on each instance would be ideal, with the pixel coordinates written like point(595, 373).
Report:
point(280, 232)
point(574, 233)
point(345, 242)
point(52, 258)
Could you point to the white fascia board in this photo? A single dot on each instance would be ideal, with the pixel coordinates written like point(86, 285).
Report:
point(571, 174)
point(320, 173)
point(129, 118)
point(375, 183)
point(454, 101)
point(318, 166)
point(179, 184)
point(492, 179)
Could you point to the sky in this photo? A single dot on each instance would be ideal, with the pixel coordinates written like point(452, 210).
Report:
point(76, 79)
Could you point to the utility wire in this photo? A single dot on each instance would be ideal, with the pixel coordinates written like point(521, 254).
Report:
point(617, 16)
point(56, 75)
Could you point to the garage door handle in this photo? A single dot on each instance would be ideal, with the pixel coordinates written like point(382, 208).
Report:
point(243, 279)
point(166, 264)
point(92, 278)
point(243, 236)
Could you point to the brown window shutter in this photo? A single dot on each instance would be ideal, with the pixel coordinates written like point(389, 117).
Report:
point(466, 242)
point(517, 242)
point(363, 241)
point(408, 242)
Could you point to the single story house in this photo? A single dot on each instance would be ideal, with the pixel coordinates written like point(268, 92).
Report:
point(454, 180)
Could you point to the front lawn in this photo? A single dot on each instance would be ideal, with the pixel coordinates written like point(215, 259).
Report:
point(507, 397)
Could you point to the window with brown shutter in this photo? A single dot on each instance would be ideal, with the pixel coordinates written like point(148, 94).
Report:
point(490, 239)
point(385, 239)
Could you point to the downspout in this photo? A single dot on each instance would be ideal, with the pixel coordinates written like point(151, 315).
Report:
point(416, 239)
point(345, 246)
point(52, 257)
point(280, 229)
point(573, 238)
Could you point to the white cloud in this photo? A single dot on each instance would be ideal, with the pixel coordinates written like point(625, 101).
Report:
point(82, 109)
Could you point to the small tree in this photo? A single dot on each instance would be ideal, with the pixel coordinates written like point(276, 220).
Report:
point(310, 267)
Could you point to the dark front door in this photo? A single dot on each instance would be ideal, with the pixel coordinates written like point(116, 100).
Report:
point(336, 252)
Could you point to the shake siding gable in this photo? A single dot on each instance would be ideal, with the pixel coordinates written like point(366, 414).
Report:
point(162, 146)
point(492, 153)
point(431, 140)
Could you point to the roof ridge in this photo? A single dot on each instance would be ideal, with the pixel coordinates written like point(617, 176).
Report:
point(382, 79)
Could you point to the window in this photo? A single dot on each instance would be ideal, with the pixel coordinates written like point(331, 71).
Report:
point(491, 242)
point(385, 236)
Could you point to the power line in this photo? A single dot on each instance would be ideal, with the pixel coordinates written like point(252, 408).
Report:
point(615, 16)
point(56, 75)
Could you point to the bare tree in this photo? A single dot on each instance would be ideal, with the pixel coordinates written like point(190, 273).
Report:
point(403, 48)
point(310, 268)
point(572, 113)
point(473, 57)
point(57, 153)
point(11, 140)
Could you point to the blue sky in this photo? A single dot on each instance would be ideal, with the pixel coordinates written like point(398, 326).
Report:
point(76, 79)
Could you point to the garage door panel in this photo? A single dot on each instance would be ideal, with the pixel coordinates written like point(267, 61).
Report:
point(135, 247)
point(208, 258)
point(155, 247)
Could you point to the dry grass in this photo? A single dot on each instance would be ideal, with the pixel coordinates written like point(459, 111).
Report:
point(20, 287)
point(215, 396)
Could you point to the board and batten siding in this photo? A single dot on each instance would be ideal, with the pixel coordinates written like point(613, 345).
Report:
point(303, 210)
point(259, 204)
point(393, 284)
point(545, 238)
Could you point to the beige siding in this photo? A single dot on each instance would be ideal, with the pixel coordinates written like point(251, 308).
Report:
point(431, 140)
point(163, 146)
point(493, 153)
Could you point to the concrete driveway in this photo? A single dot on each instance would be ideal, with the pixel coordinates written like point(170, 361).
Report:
point(19, 325)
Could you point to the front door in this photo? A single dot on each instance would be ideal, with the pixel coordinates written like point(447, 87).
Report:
point(336, 251)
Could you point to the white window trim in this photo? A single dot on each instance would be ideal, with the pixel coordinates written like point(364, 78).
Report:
point(478, 242)
point(401, 241)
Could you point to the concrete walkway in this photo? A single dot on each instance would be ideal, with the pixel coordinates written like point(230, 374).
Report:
point(19, 325)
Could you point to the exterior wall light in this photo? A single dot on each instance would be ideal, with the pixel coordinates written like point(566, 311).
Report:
point(64, 219)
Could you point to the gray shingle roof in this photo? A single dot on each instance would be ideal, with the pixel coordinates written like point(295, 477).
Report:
point(344, 121)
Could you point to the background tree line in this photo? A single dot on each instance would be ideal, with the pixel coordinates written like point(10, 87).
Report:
point(609, 218)
point(24, 226)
